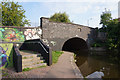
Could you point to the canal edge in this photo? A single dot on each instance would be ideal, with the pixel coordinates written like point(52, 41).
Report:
point(77, 72)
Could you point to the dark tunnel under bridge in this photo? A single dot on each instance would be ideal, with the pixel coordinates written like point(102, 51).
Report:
point(75, 44)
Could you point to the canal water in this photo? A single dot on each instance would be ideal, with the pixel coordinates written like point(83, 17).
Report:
point(96, 66)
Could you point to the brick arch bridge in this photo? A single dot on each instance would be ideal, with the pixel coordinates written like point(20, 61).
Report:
point(55, 34)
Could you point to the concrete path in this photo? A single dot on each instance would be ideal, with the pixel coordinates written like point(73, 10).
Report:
point(64, 68)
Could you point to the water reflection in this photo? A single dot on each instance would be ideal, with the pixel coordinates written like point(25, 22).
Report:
point(92, 66)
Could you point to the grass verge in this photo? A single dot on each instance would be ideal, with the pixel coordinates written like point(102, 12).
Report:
point(41, 66)
point(56, 55)
point(27, 69)
point(5, 74)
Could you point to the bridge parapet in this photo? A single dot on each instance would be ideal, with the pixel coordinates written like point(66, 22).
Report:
point(56, 33)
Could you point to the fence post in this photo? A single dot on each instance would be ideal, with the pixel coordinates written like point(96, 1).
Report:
point(17, 59)
point(19, 63)
point(50, 57)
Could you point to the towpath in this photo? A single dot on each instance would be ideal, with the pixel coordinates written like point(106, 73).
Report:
point(64, 68)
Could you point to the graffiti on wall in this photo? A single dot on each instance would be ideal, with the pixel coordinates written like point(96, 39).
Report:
point(53, 43)
point(45, 41)
point(3, 56)
point(6, 55)
point(33, 33)
point(11, 35)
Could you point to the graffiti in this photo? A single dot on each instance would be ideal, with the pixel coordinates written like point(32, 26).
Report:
point(33, 33)
point(53, 43)
point(45, 41)
point(16, 35)
point(11, 35)
point(5, 55)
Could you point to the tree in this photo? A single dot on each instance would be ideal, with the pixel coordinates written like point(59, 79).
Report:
point(60, 17)
point(105, 18)
point(13, 15)
point(113, 34)
point(112, 28)
point(113, 39)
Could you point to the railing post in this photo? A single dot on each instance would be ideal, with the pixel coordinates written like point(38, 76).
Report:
point(50, 57)
point(19, 63)
point(17, 59)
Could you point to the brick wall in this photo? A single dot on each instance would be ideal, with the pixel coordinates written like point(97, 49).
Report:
point(55, 33)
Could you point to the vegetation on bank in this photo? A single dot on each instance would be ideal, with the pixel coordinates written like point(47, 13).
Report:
point(56, 55)
point(98, 44)
point(111, 27)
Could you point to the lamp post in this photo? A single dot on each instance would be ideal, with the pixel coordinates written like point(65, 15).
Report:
point(88, 21)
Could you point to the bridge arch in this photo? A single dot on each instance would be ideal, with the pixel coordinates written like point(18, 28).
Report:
point(74, 44)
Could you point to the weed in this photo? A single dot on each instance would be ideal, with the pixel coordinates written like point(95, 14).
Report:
point(27, 69)
point(41, 66)
point(24, 57)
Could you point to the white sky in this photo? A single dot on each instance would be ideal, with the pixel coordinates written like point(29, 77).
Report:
point(79, 11)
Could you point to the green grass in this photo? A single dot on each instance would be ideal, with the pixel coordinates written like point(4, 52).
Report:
point(27, 69)
point(41, 66)
point(75, 56)
point(37, 62)
point(56, 55)
point(4, 74)
point(24, 57)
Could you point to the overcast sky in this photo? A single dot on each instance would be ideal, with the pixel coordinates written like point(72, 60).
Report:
point(79, 11)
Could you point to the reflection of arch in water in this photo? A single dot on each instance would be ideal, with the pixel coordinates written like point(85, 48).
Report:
point(81, 56)
point(90, 66)
point(86, 63)
point(75, 44)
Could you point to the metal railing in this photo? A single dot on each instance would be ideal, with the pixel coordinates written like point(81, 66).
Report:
point(37, 45)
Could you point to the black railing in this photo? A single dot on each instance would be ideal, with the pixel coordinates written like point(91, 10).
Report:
point(17, 59)
point(38, 46)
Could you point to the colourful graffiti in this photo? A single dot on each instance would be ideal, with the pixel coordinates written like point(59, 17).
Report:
point(11, 35)
point(3, 56)
point(6, 55)
point(33, 33)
